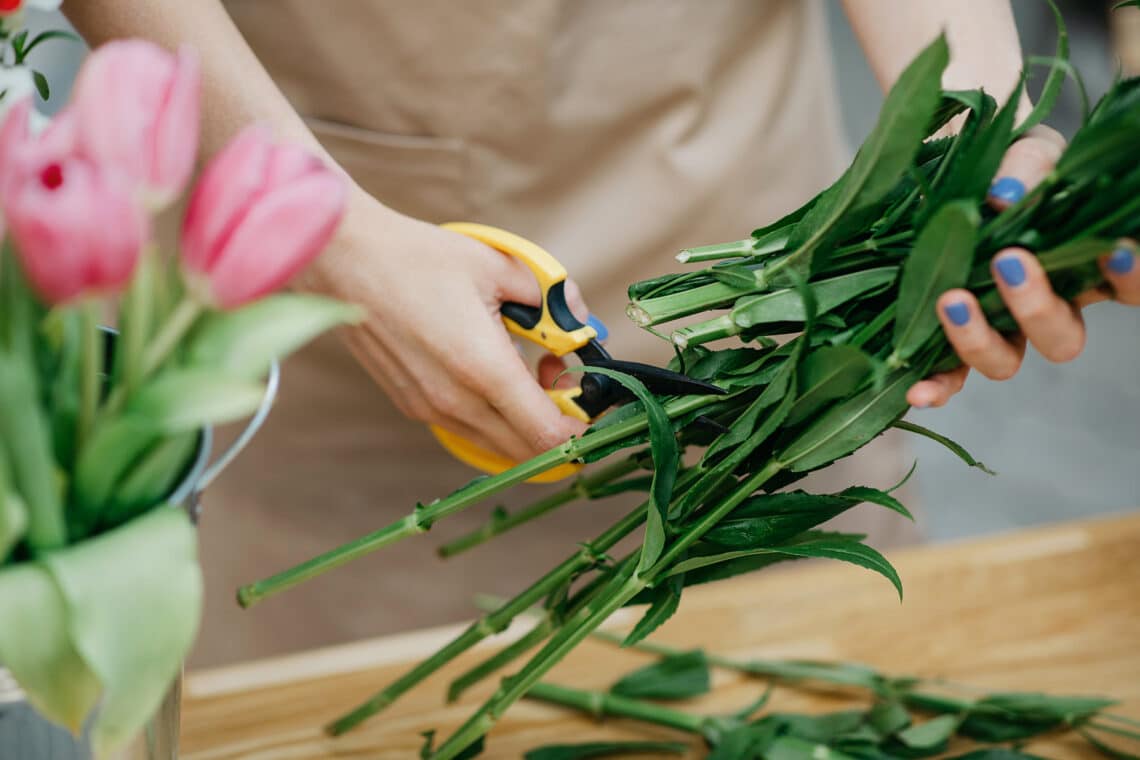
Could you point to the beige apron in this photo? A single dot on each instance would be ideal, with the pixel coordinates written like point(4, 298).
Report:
point(612, 133)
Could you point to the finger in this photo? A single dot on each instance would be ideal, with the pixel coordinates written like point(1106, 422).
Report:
point(936, 390)
point(1026, 163)
point(1122, 271)
point(599, 327)
point(576, 302)
point(480, 423)
point(551, 371)
point(1051, 324)
point(502, 378)
point(977, 344)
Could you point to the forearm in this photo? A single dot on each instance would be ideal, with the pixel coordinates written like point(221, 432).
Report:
point(237, 89)
point(984, 47)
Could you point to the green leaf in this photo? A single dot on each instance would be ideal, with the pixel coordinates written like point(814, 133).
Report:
point(849, 424)
point(770, 519)
point(737, 277)
point(1056, 79)
point(744, 426)
point(973, 171)
point(1102, 746)
point(39, 651)
point(666, 460)
point(133, 629)
point(794, 748)
point(888, 717)
point(679, 676)
point(25, 436)
point(152, 478)
point(886, 154)
point(183, 400)
point(42, 86)
point(666, 599)
point(842, 549)
point(933, 734)
point(847, 551)
point(843, 674)
point(1126, 3)
point(115, 445)
point(954, 447)
point(828, 373)
point(13, 512)
point(243, 343)
point(875, 496)
point(941, 260)
point(1045, 707)
point(604, 749)
point(787, 305)
point(51, 34)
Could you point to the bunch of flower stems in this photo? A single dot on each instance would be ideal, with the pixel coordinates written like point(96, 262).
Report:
point(853, 276)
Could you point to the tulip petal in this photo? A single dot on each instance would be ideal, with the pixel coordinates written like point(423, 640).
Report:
point(229, 184)
point(176, 132)
point(282, 234)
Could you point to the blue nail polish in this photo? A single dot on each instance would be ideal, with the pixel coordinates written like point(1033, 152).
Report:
point(1121, 261)
point(1008, 189)
point(1011, 270)
point(958, 313)
point(599, 327)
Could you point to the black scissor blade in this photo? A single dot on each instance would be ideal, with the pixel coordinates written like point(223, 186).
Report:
point(660, 381)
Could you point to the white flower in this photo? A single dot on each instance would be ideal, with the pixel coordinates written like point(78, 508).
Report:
point(15, 85)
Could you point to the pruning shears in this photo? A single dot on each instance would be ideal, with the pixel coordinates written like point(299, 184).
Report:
point(554, 327)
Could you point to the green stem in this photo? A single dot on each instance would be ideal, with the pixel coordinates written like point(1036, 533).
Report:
point(872, 328)
point(621, 589)
point(494, 622)
point(716, 328)
point(718, 251)
point(581, 488)
point(90, 371)
point(172, 331)
point(652, 311)
point(135, 325)
point(423, 517)
point(874, 244)
point(500, 659)
point(599, 704)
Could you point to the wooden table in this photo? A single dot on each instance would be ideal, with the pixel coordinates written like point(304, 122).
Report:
point(1054, 609)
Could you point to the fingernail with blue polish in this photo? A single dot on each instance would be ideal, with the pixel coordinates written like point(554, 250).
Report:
point(599, 327)
point(1011, 270)
point(958, 313)
point(1122, 261)
point(1008, 189)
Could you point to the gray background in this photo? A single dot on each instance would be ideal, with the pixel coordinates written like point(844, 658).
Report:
point(1065, 440)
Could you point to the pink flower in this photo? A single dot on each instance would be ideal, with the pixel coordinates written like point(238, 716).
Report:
point(259, 215)
point(76, 228)
point(137, 108)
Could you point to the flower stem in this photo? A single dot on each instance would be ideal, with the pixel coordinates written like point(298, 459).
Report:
point(90, 370)
point(495, 621)
point(172, 331)
point(138, 307)
point(508, 654)
point(599, 704)
point(623, 587)
point(733, 250)
point(652, 311)
point(581, 488)
point(420, 520)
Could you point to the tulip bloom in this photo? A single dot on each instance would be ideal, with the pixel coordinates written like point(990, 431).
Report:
point(259, 215)
point(137, 107)
point(13, 7)
point(76, 228)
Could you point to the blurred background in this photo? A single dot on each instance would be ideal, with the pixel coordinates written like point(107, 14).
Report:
point(1065, 440)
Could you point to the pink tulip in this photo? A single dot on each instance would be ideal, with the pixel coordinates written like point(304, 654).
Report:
point(76, 228)
point(137, 109)
point(260, 213)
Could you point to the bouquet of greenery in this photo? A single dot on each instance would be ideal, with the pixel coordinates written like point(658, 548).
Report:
point(853, 275)
point(100, 588)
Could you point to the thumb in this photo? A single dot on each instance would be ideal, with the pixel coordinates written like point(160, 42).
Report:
point(549, 369)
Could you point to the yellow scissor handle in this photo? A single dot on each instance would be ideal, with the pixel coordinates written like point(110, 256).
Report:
point(558, 339)
point(545, 331)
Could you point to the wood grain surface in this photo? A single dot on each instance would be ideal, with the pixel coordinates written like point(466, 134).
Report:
point(1054, 609)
